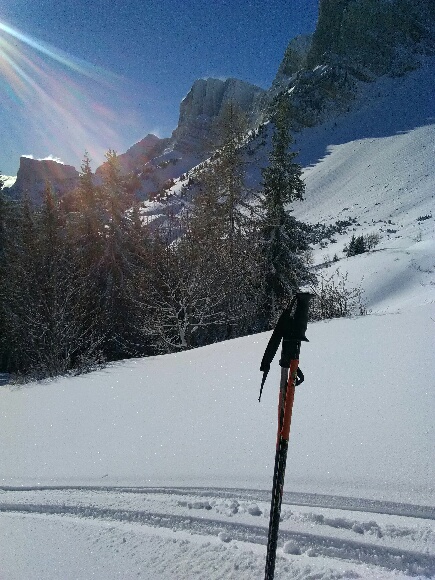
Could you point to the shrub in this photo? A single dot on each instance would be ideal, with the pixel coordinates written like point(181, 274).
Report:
point(335, 299)
point(372, 240)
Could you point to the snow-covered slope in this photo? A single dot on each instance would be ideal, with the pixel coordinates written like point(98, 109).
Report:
point(376, 164)
point(376, 161)
point(363, 421)
point(8, 180)
point(187, 436)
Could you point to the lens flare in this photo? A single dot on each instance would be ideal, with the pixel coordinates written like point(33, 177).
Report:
point(73, 63)
point(62, 103)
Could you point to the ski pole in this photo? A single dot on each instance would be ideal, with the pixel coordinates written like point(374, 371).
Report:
point(291, 330)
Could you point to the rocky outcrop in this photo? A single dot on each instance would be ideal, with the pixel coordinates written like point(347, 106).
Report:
point(374, 37)
point(355, 40)
point(139, 154)
point(34, 175)
point(203, 105)
point(294, 60)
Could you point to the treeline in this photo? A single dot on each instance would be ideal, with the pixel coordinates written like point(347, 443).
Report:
point(85, 279)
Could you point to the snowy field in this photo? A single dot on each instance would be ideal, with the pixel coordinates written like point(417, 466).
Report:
point(161, 468)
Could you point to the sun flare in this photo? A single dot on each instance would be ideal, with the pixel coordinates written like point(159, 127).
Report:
point(59, 97)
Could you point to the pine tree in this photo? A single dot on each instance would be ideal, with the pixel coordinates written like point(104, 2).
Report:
point(357, 245)
point(228, 167)
point(89, 199)
point(54, 334)
point(206, 220)
point(118, 263)
point(139, 250)
point(4, 211)
point(283, 241)
point(220, 226)
point(21, 261)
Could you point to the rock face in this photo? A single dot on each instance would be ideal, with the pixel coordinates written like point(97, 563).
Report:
point(355, 40)
point(205, 102)
point(137, 156)
point(294, 60)
point(34, 174)
point(207, 97)
point(192, 140)
point(374, 36)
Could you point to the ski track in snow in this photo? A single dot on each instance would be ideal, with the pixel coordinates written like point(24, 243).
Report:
point(395, 537)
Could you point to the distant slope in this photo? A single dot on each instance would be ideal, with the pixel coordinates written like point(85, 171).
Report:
point(374, 164)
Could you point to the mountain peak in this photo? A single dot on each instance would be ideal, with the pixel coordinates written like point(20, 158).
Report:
point(205, 101)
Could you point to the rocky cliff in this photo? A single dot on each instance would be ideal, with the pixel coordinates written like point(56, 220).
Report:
point(139, 154)
point(34, 174)
point(354, 41)
point(375, 37)
point(203, 105)
point(294, 60)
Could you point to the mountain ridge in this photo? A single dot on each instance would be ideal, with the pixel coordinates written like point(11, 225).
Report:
point(322, 73)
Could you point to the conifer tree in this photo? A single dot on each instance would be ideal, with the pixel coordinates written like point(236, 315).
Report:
point(18, 287)
point(3, 276)
point(283, 241)
point(221, 227)
point(228, 167)
point(89, 201)
point(53, 331)
point(206, 220)
point(357, 245)
point(119, 261)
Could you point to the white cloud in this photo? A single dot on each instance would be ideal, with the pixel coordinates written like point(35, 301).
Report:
point(48, 158)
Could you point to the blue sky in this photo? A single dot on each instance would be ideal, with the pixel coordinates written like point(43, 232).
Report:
point(102, 74)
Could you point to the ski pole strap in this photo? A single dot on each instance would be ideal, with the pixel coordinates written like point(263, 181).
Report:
point(281, 328)
point(299, 377)
point(262, 384)
point(291, 330)
point(272, 346)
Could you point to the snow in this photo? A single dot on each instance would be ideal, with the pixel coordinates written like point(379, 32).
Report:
point(193, 419)
point(8, 180)
point(161, 468)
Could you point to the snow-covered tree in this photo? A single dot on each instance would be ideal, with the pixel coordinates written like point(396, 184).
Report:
point(283, 240)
